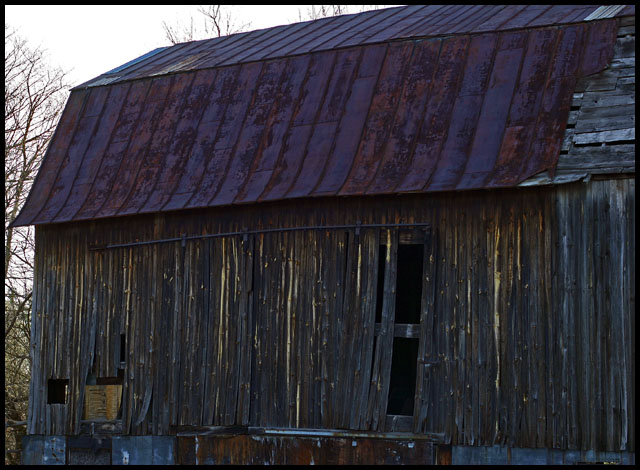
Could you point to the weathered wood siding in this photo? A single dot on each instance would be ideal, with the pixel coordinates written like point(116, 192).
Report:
point(601, 129)
point(528, 305)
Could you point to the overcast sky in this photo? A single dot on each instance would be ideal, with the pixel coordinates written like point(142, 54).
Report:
point(87, 41)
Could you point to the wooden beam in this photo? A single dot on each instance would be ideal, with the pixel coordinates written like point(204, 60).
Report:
point(402, 330)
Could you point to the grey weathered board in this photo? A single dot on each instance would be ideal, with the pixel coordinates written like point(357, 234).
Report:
point(600, 134)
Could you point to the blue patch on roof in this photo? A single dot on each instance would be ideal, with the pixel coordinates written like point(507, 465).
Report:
point(135, 61)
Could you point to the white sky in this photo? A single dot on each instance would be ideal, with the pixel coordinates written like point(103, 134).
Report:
point(87, 41)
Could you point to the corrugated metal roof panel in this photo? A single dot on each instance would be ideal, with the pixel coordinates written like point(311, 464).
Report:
point(607, 11)
point(446, 113)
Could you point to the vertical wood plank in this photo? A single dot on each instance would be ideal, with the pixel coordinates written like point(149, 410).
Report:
point(379, 390)
point(246, 319)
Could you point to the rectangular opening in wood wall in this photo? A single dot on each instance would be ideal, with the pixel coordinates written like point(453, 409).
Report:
point(406, 330)
point(403, 376)
point(123, 348)
point(409, 283)
point(57, 391)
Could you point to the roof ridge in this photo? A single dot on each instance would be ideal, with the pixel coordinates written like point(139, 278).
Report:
point(393, 24)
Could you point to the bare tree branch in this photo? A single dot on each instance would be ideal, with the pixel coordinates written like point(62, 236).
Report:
point(216, 21)
point(34, 97)
point(315, 12)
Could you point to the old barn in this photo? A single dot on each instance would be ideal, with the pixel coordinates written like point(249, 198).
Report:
point(400, 236)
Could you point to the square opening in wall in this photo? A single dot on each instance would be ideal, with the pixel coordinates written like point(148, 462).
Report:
point(57, 391)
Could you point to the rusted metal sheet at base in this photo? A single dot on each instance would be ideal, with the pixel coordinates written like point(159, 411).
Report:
point(143, 450)
point(44, 450)
point(498, 455)
point(277, 450)
point(32, 450)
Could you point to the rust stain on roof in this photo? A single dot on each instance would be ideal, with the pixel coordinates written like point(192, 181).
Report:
point(485, 107)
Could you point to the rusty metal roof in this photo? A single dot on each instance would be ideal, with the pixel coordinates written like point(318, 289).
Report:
point(410, 99)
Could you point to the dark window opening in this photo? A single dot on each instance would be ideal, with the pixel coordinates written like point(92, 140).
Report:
point(57, 391)
point(409, 283)
point(403, 376)
point(123, 348)
point(408, 312)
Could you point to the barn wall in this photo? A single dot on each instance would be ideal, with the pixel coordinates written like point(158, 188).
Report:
point(527, 332)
